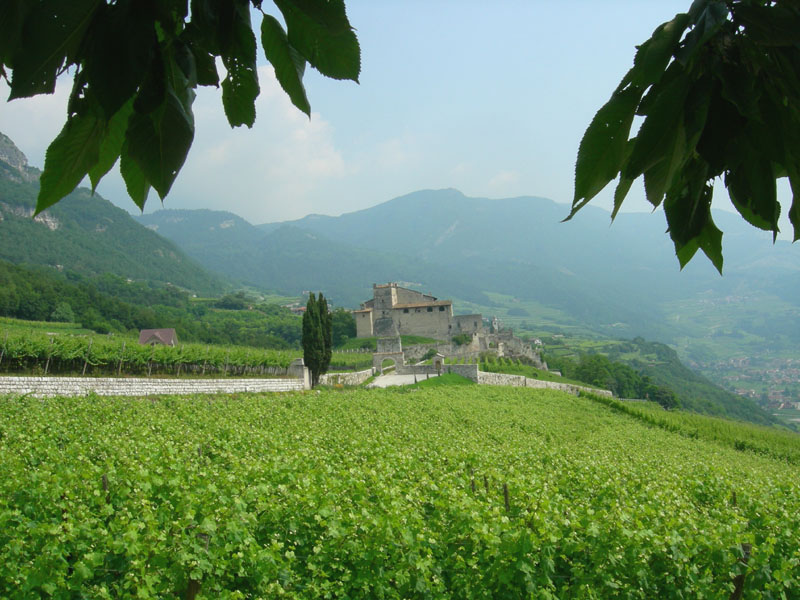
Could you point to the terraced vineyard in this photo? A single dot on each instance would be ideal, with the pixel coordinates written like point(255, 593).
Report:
point(40, 352)
point(449, 492)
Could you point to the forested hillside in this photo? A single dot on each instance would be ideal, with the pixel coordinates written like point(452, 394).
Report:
point(109, 303)
point(85, 233)
point(639, 368)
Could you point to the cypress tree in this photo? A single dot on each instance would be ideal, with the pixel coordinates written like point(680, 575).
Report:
point(317, 336)
point(326, 321)
point(312, 339)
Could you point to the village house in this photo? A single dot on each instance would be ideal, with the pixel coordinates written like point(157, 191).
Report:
point(154, 337)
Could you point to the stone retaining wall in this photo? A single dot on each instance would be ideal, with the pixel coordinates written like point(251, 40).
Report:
point(112, 386)
point(356, 378)
point(522, 381)
point(468, 371)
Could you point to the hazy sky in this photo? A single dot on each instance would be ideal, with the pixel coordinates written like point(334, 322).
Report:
point(491, 98)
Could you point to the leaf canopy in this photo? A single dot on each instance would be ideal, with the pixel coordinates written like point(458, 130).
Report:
point(719, 90)
point(137, 65)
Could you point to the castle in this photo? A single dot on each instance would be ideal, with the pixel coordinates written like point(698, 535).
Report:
point(395, 310)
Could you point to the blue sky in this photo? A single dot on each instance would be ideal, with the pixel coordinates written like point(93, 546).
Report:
point(491, 98)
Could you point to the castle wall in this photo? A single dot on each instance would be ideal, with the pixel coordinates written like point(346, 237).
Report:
point(384, 297)
point(399, 311)
point(363, 323)
point(421, 321)
point(467, 324)
point(406, 296)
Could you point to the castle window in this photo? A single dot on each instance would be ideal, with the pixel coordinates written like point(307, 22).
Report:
point(475, 323)
point(430, 309)
point(405, 310)
point(441, 309)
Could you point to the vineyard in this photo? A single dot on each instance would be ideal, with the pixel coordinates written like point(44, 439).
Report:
point(447, 492)
point(39, 352)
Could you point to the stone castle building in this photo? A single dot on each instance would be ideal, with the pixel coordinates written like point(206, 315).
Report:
point(395, 310)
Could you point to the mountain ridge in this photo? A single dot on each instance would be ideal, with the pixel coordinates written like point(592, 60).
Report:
point(85, 233)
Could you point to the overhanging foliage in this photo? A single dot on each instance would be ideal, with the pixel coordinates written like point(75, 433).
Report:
point(136, 68)
point(719, 90)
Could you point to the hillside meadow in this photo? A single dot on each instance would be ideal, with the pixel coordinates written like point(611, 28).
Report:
point(439, 492)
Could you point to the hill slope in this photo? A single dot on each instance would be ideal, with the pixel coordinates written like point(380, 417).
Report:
point(85, 233)
point(449, 492)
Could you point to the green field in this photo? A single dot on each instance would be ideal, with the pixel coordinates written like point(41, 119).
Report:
point(456, 491)
point(788, 415)
point(9, 325)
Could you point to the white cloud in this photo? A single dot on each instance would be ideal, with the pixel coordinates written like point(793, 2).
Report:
point(277, 170)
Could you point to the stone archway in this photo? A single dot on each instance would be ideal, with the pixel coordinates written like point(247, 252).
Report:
point(388, 349)
point(388, 363)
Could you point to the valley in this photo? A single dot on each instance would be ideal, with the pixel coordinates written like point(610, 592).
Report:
point(426, 303)
point(508, 259)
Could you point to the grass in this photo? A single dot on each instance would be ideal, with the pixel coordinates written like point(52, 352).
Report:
point(8, 324)
point(530, 372)
point(771, 442)
point(446, 379)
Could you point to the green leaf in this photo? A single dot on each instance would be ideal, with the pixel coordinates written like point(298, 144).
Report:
point(120, 51)
point(709, 240)
point(69, 158)
point(51, 36)
point(135, 180)
point(718, 144)
point(707, 16)
point(321, 32)
point(211, 26)
point(12, 17)
point(794, 211)
point(206, 67)
point(688, 210)
point(240, 87)
point(771, 25)
point(111, 146)
point(660, 127)
point(603, 147)
point(287, 62)
point(659, 177)
point(678, 147)
point(624, 184)
point(653, 56)
point(752, 189)
point(623, 187)
point(739, 87)
point(160, 141)
point(181, 73)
